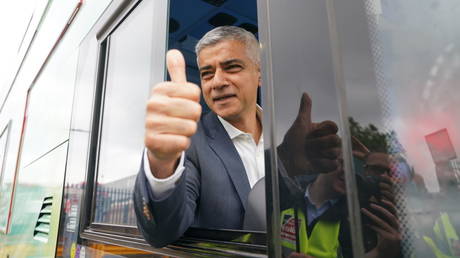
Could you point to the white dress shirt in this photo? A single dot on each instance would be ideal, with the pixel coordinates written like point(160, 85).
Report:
point(251, 154)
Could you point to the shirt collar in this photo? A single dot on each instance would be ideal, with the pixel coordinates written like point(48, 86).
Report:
point(234, 132)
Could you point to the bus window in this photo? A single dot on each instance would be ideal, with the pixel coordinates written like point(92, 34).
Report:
point(189, 21)
point(387, 74)
point(129, 62)
point(401, 74)
point(313, 214)
point(203, 191)
point(127, 83)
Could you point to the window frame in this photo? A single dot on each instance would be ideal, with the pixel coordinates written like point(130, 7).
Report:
point(129, 236)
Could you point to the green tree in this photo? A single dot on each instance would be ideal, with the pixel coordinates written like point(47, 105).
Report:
point(370, 136)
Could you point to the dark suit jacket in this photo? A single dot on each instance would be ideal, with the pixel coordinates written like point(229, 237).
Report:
point(211, 192)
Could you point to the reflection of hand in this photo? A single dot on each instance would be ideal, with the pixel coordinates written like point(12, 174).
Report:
point(172, 114)
point(360, 150)
point(310, 147)
point(386, 186)
point(387, 228)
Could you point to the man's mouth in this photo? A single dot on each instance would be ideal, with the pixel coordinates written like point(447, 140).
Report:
point(223, 97)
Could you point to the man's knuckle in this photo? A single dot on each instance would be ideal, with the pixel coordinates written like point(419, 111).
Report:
point(183, 143)
point(193, 91)
point(189, 127)
point(196, 111)
point(196, 90)
point(151, 104)
point(152, 124)
point(192, 127)
point(160, 89)
point(156, 104)
point(152, 142)
point(149, 124)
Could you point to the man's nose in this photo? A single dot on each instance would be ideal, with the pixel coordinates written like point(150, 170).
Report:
point(219, 81)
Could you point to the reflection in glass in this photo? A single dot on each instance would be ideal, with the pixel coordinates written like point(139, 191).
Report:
point(402, 75)
point(376, 186)
point(6, 180)
point(121, 142)
point(313, 205)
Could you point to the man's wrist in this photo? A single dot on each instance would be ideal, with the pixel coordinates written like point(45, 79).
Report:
point(162, 187)
point(162, 168)
point(313, 196)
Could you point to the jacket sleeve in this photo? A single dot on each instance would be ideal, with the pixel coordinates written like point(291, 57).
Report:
point(165, 220)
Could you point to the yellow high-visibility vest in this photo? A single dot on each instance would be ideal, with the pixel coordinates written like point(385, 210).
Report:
point(323, 240)
point(444, 232)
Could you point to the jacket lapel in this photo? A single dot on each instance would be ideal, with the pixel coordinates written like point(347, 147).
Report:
point(223, 146)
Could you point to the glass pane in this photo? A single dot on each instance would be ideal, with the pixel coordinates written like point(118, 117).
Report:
point(313, 204)
point(127, 89)
point(401, 64)
point(6, 180)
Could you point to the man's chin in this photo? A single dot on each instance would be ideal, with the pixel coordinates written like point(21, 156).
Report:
point(227, 113)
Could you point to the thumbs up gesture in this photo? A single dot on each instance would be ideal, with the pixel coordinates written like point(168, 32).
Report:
point(173, 110)
point(310, 148)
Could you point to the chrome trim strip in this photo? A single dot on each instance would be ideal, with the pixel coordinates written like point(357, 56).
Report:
point(354, 214)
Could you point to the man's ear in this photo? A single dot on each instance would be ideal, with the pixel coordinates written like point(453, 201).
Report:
point(260, 76)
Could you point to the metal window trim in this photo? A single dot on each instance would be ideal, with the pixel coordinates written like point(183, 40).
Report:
point(184, 246)
point(354, 211)
point(271, 183)
point(88, 203)
point(119, 11)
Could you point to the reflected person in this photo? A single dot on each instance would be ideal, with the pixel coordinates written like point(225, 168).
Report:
point(315, 223)
point(198, 168)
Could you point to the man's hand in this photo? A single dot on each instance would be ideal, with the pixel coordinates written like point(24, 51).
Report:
point(310, 148)
point(172, 114)
point(384, 221)
point(387, 229)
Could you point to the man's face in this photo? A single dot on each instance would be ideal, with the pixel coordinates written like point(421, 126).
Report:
point(377, 164)
point(229, 79)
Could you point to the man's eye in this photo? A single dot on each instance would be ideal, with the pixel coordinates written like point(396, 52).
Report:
point(234, 68)
point(206, 75)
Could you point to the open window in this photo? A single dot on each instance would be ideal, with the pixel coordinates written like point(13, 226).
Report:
point(131, 59)
point(188, 22)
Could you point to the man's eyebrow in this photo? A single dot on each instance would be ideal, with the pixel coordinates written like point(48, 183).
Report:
point(231, 61)
point(224, 63)
point(207, 67)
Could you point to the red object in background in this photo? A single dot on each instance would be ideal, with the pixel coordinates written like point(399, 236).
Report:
point(440, 146)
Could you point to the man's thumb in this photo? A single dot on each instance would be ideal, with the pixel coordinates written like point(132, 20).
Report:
point(305, 109)
point(176, 66)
